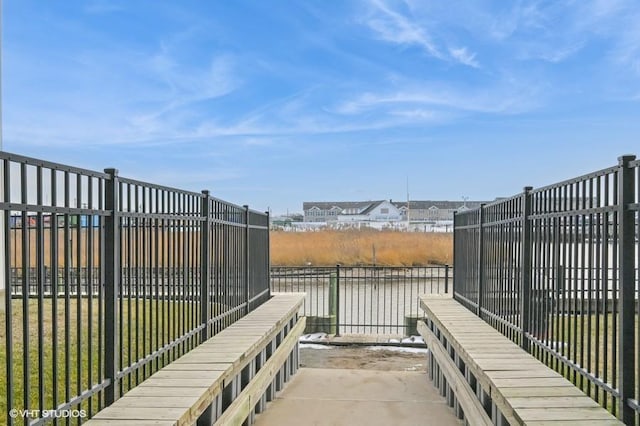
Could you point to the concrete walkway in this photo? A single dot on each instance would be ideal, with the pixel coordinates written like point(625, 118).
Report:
point(318, 396)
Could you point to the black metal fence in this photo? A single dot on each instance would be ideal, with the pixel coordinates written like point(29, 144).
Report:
point(556, 270)
point(362, 300)
point(109, 279)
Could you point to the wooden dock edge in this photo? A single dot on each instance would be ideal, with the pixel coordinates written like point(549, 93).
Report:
point(240, 409)
point(215, 385)
point(511, 386)
point(463, 395)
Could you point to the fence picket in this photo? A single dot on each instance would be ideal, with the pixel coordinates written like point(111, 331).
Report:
point(154, 270)
point(568, 254)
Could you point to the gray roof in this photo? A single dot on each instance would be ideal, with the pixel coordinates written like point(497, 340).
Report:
point(367, 206)
point(372, 206)
point(442, 205)
point(327, 205)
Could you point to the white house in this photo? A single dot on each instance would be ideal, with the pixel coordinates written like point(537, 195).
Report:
point(377, 211)
point(352, 211)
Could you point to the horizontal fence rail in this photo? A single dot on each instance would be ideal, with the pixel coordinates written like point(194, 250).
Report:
point(362, 300)
point(555, 269)
point(108, 279)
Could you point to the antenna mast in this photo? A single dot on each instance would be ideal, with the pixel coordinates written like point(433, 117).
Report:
point(408, 206)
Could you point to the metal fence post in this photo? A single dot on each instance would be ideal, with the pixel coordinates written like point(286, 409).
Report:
point(5, 248)
point(626, 242)
point(480, 258)
point(337, 300)
point(525, 269)
point(5, 290)
point(446, 279)
point(268, 249)
point(205, 265)
point(246, 256)
point(455, 222)
point(111, 284)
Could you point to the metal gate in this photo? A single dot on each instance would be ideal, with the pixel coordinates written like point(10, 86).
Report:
point(362, 299)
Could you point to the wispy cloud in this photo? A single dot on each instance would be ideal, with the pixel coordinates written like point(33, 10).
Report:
point(627, 52)
point(419, 115)
point(463, 56)
point(120, 96)
point(508, 99)
point(392, 25)
point(223, 95)
point(187, 85)
point(395, 27)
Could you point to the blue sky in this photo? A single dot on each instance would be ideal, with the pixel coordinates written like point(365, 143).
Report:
point(279, 102)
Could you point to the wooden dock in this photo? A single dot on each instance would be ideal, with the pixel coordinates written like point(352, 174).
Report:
point(509, 383)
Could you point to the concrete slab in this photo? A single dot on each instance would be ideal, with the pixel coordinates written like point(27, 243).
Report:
point(358, 397)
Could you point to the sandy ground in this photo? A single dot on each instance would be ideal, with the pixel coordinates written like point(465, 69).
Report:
point(365, 358)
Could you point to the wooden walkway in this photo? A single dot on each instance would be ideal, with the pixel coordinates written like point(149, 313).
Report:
point(223, 379)
point(339, 397)
point(521, 387)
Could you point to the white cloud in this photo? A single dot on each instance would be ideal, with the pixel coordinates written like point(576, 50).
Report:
point(393, 26)
point(396, 28)
point(504, 98)
point(463, 56)
point(128, 97)
point(418, 114)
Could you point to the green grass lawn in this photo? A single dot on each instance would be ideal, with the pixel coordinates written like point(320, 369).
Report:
point(590, 342)
point(77, 358)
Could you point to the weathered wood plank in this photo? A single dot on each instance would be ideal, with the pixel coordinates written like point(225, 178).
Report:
point(197, 357)
point(195, 378)
point(143, 391)
point(129, 413)
point(466, 398)
point(182, 374)
point(516, 392)
point(221, 366)
point(524, 389)
point(497, 352)
point(176, 401)
point(178, 383)
point(239, 409)
point(482, 365)
point(553, 402)
point(585, 413)
point(514, 374)
point(235, 349)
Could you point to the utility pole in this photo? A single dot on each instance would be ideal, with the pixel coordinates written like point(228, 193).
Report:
point(408, 206)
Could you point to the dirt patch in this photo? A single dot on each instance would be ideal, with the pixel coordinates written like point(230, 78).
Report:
point(364, 358)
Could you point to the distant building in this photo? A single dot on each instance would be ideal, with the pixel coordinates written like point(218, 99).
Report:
point(15, 221)
point(351, 211)
point(285, 221)
point(434, 210)
point(383, 211)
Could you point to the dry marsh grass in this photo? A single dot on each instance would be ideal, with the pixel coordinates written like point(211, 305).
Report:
point(360, 247)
